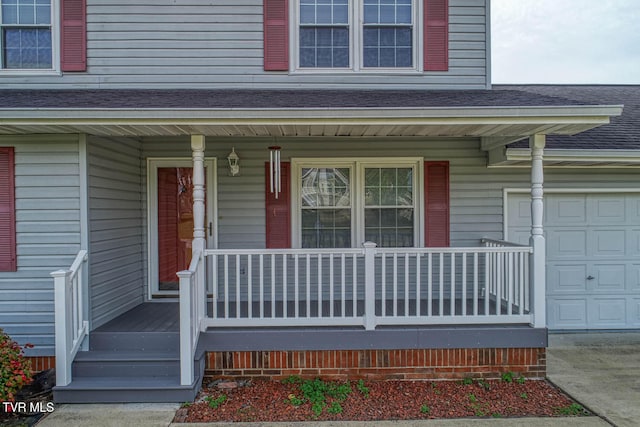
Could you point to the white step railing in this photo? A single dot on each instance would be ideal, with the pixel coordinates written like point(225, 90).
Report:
point(369, 286)
point(192, 305)
point(71, 324)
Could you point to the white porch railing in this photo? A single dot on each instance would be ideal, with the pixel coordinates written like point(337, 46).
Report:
point(369, 286)
point(71, 326)
point(192, 307)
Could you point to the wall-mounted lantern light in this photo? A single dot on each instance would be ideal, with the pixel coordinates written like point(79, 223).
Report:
point(234, 163)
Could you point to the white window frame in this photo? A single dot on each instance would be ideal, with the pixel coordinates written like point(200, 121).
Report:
point(356, 39)
point(55, 47)
point(357, 167)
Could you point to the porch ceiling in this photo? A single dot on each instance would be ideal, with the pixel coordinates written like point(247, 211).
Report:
point(499, 117)
point(499, 126)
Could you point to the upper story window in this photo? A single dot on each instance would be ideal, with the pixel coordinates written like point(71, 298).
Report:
point(26, 34)
point(356, 34)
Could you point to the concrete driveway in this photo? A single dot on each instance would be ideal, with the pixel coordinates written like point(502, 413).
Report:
point(601, 371)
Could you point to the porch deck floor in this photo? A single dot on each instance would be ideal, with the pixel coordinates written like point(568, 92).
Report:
point(146, 317)
point(165, 316)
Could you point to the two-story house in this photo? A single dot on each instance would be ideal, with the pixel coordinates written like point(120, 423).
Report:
point(312, 187)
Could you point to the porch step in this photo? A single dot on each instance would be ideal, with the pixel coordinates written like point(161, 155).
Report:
point(125, 389)
point(127, 341)
point(129, 367)
point(126, 364)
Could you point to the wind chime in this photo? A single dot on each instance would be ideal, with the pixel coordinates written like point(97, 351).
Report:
point(274, 170)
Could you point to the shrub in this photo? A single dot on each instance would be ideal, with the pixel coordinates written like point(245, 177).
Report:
point(15, 369)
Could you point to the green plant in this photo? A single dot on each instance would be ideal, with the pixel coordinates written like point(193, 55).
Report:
point(573, 409)
point(15, 369)
point(215, 402)
point(521, 380)
point(362, 388)
point(424, 409)
point(467, 381)
point(496, 415)
point(186, 404)
point(524, 396)
point(295, 400)
point(507, 377)
point(292, 379)
point(335, 408)
point(472, 398)
point(318, 392)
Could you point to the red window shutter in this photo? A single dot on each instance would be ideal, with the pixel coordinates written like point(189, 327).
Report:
point(436, 35)
point(436, 204)
point(276, 35)
point(73, 46)
point(7, 210)
point(278, 211)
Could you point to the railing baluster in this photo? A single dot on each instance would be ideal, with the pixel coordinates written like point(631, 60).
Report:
point(429, 284)
point(308, 286)
point(441, 284)
point(452, 303)
point(296, 293)
point(285, 294)
point(343, 284)
point(464, 284)
point(383, 284)
point(261, 286)
point(249, 287)
point(320, 285)
point(226, 286)
point(475, 283)
point(418, 255)
point(273, 286)
point(331, 285)
point(237, 286)
point(395, 285)
point(355, 285)
point(406, 284)
point(487, 281)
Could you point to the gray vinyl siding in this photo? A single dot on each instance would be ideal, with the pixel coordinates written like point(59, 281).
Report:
point(47, 235)
point(204, 44)
point(115, 227)
point(476, 192)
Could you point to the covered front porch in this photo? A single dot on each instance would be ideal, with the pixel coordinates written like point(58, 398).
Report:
point(473, 293)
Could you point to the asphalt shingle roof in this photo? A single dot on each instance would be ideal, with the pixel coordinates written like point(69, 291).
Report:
point(623, 133)
point(262, 99)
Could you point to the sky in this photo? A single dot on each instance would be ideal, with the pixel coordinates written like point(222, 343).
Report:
point(565, 41)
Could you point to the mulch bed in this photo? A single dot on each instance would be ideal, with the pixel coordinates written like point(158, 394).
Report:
point(38, 391)
point(264, 400)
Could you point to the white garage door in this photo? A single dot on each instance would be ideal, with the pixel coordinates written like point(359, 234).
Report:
point(593, 257)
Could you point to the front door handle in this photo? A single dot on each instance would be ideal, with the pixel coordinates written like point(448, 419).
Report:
point(590, 277)
point(210, 228)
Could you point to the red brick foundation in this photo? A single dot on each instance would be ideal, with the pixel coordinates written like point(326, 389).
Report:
point(42, 363)
point(378, 364)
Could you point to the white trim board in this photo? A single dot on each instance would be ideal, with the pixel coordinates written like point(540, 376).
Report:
point(564, 190)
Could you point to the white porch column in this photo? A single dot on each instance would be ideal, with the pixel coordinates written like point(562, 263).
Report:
point(199, 232)
point(537, 241)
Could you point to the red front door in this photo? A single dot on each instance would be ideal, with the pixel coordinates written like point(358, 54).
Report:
point(175, 224)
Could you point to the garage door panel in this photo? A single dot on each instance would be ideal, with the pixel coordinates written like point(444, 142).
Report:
point(608, 277)
point(519, 211)
point(633, 278)
point(634, 312)
point(563, 244)
point(633, 241)
point(607, 312)
point(566, 313)
point(607, 210)
point(608, 242)
point(566, 211)
point(566, 278)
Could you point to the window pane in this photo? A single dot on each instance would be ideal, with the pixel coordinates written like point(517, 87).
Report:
point(388, 47)
point(9, 14)
point(43, 15)
point(389, 219)
point(324, 47)
point(27, 48)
